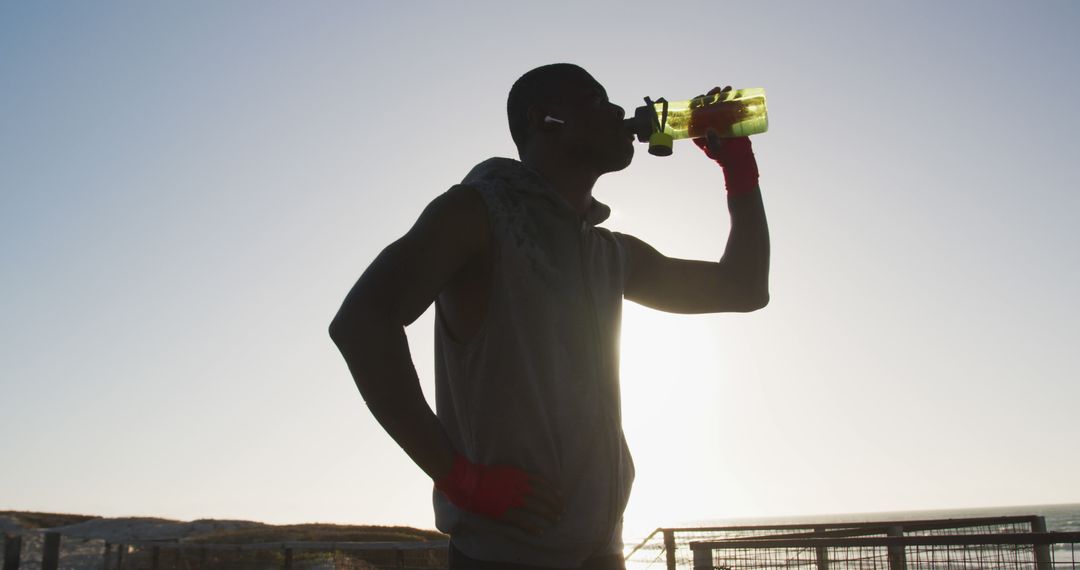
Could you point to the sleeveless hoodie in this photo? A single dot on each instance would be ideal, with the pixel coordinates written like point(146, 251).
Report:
point(538, 386)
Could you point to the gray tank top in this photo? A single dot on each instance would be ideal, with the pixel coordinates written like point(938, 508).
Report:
point(538, 386)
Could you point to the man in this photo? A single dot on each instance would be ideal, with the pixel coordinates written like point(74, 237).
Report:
point(527, 453)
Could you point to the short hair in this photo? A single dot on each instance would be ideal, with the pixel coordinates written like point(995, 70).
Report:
point(545, 84)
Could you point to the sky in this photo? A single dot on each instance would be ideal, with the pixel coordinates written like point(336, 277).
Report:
point(188, 190)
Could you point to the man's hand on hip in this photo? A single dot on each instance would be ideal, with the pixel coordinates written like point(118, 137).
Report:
point(502, 492)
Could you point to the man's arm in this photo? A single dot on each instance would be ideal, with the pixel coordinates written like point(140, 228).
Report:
point(369, 330)
point(739, 282)
point(394, 291)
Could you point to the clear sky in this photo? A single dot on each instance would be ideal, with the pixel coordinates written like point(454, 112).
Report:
point(188, 190)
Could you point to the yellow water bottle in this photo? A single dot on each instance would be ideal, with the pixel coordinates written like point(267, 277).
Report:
point(738, 113)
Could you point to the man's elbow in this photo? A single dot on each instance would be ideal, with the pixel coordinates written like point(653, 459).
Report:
point(358, 320)
point(757, 294)
point(338, 329)
point(752, 302)
point(346, 326)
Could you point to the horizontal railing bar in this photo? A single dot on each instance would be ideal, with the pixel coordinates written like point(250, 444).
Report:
point(851, 532)
point(423, 545)
point(319, 546)
point(836, 533)
point(913, 525)
point(940, 540)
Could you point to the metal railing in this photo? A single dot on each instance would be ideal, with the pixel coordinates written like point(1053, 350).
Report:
point(670, 547)
point(48, 552)
point(821, 545)
point(1012, 551)
point(425, 555)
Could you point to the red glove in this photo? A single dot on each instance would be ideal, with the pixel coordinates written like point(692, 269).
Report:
point(736, 157)
point(484, 489)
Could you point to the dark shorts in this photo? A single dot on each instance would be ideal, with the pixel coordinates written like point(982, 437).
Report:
point(459, 561)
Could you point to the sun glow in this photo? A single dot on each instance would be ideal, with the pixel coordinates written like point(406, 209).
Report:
point(673, 370)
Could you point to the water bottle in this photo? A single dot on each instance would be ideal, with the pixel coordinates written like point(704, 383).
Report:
point(737, 113)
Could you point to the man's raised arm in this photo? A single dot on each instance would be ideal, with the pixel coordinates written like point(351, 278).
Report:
point(739, 282)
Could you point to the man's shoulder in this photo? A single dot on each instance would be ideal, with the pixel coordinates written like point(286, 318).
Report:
point(459, 202)
point(457, 218)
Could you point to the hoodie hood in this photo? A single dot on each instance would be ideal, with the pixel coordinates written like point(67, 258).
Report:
point(512, 174)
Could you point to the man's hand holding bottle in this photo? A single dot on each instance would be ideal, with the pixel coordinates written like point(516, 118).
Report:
point(734, 155)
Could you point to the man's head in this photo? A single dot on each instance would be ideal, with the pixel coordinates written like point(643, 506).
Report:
point(587, 128)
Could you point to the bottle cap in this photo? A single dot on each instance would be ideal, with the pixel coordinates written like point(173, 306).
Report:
point(660, 144)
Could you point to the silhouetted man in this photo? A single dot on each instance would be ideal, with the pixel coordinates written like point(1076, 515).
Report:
point(530, 465)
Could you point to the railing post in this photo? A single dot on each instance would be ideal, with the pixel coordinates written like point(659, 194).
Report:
point(120, 548)
point(108, 549)
point(155, 558)
point(50, 553)
point(399, 557)
point(669, 548)
point(703, 559)
point(1042, 551)
point(12, 550)
point(288, 559)
point(897, 556)
point(822, 552)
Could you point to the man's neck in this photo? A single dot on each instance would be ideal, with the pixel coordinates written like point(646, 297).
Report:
point(573, 184)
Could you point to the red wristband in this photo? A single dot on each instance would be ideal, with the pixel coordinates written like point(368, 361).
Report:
point(484, 489)
point(736, 157)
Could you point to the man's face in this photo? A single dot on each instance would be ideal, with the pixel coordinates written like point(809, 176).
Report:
point(593, 131)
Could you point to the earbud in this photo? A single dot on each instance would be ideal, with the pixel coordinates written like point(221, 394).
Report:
point(550, 119)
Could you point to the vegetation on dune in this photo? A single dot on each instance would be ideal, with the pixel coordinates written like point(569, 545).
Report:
point(258, 532)
point(319, 533)
point(46, 520)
